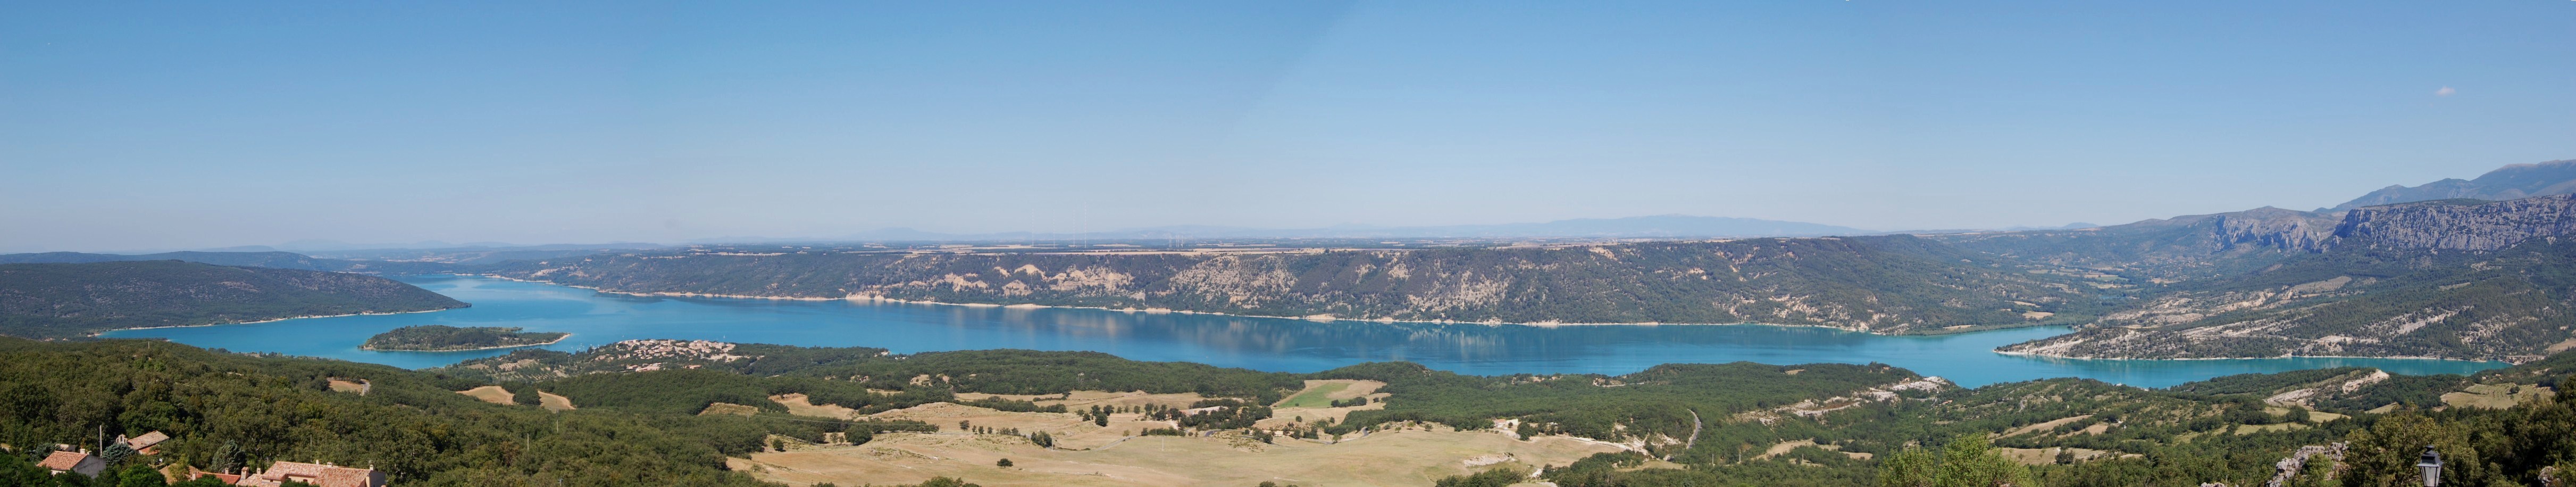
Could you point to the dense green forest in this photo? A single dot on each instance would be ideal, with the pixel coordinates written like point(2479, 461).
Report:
point(71, 300)
point(443, 337)
point(227, 410)
point(1716, 424)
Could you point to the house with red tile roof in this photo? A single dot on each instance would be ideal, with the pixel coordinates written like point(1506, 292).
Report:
point(80, 462)
point(143, 444)
point(227, 479)
point(320, 474)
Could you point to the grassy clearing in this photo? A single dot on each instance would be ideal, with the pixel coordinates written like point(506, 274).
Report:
point(349, 386)
point(720, 408)
point(555, 403)
point(2493, 396)
point(1087, 399)
point(1400, 457)
point(1315, 396)
point(798, 404)
point(490, 394)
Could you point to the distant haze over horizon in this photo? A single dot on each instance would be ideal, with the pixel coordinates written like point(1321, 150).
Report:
point(196, 126)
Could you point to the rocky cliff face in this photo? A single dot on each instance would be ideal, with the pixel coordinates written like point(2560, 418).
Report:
point(1882, 284)
point(2228, 244)
point(2459, 225)
point(2174, 249)
point(2455, 279)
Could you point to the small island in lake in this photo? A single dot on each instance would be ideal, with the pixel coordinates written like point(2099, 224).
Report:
point(443, 338)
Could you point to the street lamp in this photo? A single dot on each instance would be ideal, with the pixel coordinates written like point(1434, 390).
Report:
point(2432, 467)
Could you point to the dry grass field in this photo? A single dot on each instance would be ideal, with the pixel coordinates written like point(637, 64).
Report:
point(1309, 406)
point(1399, 457)
point(497, 395)
point(358, 387)
point(490, 394)
point(798, 404)
point(555, 403)
point(717, 409)
point(1087, 399)
point(2494, 396)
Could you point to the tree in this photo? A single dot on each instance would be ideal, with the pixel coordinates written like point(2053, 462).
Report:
point(116, 454)
point(1004, 463)
point(525, 394)
point(1968, 461)
point(141, 475)
point(1909, 468)
point(227, 457)
point(2385, 454)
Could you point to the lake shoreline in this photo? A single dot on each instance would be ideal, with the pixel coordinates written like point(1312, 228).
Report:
point(1329, 319)
point(1256, 343)
point(2282, 356)
point(99, 333)
point(1315, 318)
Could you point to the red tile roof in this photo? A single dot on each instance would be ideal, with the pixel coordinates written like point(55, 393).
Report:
point(63, 460)
point(316, 474)
point(147, 440)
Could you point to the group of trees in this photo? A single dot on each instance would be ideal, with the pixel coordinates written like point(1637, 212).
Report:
point(227, 412)
point(443, 337)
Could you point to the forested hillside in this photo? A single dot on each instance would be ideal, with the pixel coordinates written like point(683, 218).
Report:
point(280, 260)
point(227, 411)
point(70, 300)
point(2448, 278)
point(1894, 284)
point(1726, 424)
point(2510, 304)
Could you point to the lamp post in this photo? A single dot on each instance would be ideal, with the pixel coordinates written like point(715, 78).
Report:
point(2432, 467)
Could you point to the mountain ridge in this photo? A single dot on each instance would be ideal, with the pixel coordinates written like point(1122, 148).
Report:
point(2511, 182)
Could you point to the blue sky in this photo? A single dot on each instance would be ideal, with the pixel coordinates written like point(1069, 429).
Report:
point(201, 124)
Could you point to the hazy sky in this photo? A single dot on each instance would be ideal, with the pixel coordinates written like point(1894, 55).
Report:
point(198, 124)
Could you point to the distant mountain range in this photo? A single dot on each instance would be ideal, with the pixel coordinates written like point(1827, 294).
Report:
point(1660, 226)
point(2510, 182)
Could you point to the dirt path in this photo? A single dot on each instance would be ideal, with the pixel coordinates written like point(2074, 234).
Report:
point(1695, 425)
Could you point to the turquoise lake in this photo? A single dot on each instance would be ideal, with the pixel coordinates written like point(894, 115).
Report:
point(1272, 344)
